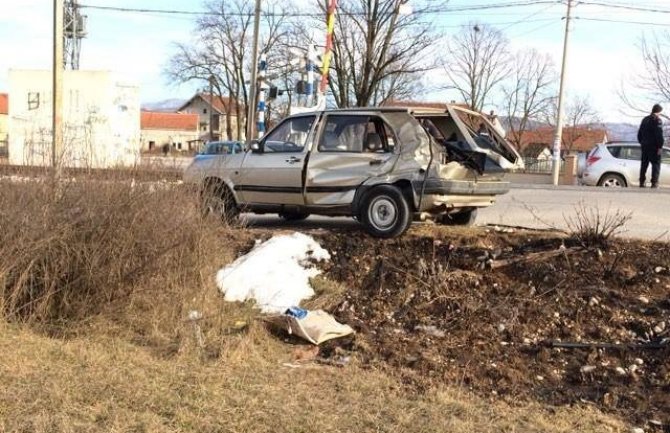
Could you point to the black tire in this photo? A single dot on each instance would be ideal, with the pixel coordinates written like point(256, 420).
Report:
point(293, 216)
point(465, 217)
point(611, 180)
point(385, 212)
point(217, 200)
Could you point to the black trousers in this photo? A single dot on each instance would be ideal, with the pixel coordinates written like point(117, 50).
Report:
point(650, 156)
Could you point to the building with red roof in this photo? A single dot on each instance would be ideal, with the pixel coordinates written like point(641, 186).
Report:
point(175, 131)
point(4, 123)
point(575, 139)
point(222, 112)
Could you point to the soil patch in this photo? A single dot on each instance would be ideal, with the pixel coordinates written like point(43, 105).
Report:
point(492, 311)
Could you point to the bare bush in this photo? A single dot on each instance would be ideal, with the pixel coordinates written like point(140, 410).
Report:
point(593, 227)
point(69, 250)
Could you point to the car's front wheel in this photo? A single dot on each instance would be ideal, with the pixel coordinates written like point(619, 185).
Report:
point(612, 180)
point(217, 200)
point(385, 212)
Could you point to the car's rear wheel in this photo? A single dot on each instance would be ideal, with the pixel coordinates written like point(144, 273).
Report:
point(464, 217)
point(293, 216)
point(217, 200)
point(385, 212)
point(612, 180)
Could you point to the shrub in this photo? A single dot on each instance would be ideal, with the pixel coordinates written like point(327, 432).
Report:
point(69, 249)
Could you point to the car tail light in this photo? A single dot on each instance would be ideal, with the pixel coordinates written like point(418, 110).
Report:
point(592, 160)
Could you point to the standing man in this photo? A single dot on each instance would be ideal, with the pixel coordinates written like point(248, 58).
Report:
point(650, 137)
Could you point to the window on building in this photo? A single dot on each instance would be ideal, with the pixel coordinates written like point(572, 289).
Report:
point(178, 146)
point(204, 111)
point(152, 145)
point(33, 100)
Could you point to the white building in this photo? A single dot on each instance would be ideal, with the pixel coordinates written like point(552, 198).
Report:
point(101, 119)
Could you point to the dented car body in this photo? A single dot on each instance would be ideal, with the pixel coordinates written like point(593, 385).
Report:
point(382, 166)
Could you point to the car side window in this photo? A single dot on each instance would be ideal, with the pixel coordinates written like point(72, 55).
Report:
point(630, 152)
point(355, 134)
point(290, 136)
point(614, 150)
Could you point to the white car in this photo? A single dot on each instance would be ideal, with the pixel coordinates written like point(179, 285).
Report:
point(617, 165)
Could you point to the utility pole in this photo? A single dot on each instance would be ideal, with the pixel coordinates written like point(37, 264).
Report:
point(57, 89)
point(211, 107)
point(558, 136)
point(251, 109)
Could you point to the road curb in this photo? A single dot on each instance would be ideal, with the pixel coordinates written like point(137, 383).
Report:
point(595, 189)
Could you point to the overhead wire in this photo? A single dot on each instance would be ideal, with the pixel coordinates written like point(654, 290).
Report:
point(428, 10)
point(526, 18)
point(624, 6)
point(606, 20)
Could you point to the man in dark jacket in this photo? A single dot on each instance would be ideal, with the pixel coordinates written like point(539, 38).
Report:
point(650, 137)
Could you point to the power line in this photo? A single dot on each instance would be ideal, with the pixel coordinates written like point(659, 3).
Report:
point(626, 7)
point(526, 18)
point(534, 29)
point(508, 23)
point(605, 20)
point(475, 7)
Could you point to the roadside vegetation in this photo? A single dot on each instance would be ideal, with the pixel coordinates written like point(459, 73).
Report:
point(98, 277)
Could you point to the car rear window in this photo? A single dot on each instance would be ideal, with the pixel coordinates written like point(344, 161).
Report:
point(614, 150)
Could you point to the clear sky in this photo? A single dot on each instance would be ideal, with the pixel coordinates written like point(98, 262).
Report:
point(137, 46)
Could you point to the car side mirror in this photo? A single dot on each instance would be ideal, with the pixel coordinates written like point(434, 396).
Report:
point(255, 147)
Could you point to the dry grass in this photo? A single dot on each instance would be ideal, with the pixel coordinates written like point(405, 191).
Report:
point(111, 268)
point(109, 385)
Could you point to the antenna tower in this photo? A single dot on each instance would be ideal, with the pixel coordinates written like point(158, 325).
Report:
point(74, 30)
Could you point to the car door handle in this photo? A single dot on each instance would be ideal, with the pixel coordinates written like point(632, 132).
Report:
point(292, 160)
point(376, 162)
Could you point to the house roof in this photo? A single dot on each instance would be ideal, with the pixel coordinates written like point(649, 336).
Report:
point(217, 102)
point(170, 121)
point(533, 150)
point(583, 138)
point(4, 103)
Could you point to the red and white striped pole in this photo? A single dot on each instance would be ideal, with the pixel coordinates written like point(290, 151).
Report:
point(330, 27)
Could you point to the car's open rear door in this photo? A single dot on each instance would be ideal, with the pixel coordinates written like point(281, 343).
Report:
point(483, 136)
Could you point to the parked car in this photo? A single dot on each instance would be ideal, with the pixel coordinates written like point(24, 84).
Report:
point(382, 166)
point(222, 148)
point(617, 165)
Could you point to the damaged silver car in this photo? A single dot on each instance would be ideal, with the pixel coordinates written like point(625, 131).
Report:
point(383, 166)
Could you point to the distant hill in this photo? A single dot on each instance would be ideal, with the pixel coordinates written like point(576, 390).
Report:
point(616, 131)
point(621, 131)
point(166, 105)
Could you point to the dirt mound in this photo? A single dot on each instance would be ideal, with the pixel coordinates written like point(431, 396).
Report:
point(495, 311)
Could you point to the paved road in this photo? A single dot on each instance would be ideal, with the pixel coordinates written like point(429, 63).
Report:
point(541, 207)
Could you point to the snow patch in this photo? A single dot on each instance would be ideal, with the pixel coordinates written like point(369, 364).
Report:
point(274, 273)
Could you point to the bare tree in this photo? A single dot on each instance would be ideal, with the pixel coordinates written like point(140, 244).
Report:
point(476, 62)
point(379, 52)
point(652, 84)
point(580, 116)
point(221, 52)
point(528, 92)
